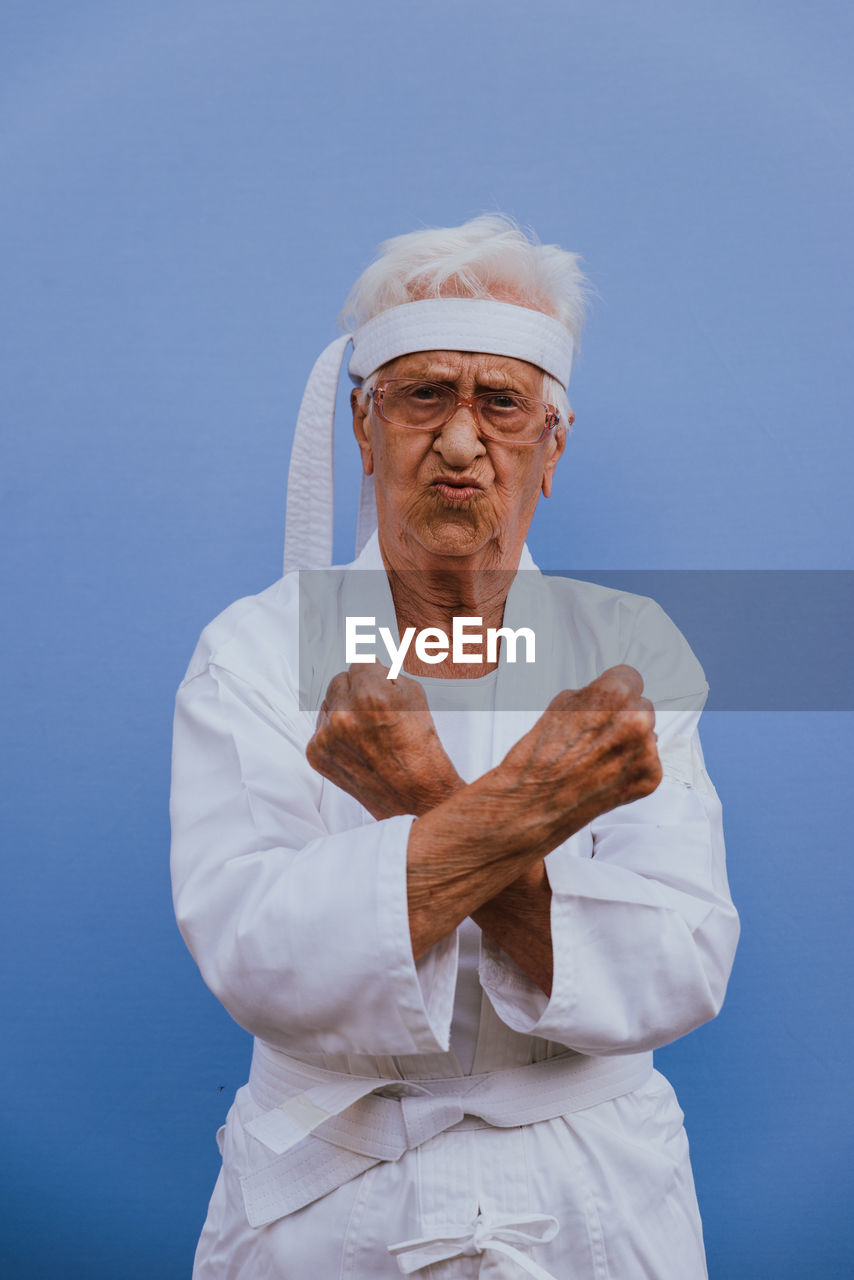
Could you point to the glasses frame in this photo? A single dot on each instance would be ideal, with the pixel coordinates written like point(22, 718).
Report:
point(552, 412)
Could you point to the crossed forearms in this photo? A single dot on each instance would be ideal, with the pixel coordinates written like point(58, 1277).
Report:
point(478, 850)
point(462, 860)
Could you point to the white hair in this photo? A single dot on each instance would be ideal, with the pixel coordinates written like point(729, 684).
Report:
point(487, 257)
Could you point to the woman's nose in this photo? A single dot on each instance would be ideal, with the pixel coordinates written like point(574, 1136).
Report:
point(459, 440)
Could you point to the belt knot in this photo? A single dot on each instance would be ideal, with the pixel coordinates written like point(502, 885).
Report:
point(501, 1233)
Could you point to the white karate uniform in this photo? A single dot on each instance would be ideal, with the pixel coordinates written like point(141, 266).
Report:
point(542, 1143)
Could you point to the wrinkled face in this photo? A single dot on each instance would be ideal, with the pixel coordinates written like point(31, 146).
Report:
point(450, 493)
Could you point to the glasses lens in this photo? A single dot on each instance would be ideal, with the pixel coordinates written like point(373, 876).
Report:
point(506, 415)
point(417, 404)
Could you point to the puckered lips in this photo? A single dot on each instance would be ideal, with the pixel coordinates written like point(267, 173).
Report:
point(456, 488)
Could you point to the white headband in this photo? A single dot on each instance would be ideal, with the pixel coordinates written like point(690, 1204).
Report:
point(434, 324)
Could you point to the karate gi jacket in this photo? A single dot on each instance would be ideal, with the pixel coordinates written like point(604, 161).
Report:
point(360, 1149)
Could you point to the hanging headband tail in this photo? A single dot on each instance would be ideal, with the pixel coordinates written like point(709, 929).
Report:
point(308, 516)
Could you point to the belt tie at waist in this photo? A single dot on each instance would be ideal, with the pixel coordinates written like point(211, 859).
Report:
point(498, 1232)
point(318, 1129)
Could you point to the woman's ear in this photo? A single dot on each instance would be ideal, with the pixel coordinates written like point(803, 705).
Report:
point(557, 444)
point(361, 430)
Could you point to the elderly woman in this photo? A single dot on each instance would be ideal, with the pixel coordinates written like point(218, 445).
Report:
point(457, 908)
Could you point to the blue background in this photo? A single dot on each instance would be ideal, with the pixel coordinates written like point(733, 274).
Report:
point(189, 188)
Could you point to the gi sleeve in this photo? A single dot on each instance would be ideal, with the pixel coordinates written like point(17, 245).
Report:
point(301, 932)
point(642, 925)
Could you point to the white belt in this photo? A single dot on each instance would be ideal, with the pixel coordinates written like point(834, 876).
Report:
point(323, 1128)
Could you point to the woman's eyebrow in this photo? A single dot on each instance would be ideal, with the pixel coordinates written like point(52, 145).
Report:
point(489, 380)
point(498, 381)
point(422, 374)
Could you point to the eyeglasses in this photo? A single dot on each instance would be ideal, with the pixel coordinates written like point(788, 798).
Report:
point(504, 416)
